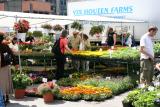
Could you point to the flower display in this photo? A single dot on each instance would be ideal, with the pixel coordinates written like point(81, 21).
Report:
point(84, 89)
point(22, 26)
point(86, 92)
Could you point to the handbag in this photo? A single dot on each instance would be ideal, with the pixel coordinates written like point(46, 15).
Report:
point(7, 58)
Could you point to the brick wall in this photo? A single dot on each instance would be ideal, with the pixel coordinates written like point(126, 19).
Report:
point(1, 6)
point(36, 6)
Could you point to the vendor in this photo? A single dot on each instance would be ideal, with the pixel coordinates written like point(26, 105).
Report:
point(75, 41)
point(111, 37)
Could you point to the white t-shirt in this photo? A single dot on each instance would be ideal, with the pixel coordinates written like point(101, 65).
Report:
point(147, 42)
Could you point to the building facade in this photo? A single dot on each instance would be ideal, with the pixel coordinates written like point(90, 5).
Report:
point(57, 7)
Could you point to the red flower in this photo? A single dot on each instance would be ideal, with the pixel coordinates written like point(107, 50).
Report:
point(22, 26)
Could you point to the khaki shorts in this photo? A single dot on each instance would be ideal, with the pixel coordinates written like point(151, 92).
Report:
point(146, 70)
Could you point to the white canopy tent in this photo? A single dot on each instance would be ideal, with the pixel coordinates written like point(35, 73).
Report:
point(7, 19)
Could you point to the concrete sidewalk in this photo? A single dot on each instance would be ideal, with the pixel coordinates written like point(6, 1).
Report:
point(38, 102)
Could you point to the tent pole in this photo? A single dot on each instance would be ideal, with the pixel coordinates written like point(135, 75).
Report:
point(19, 56)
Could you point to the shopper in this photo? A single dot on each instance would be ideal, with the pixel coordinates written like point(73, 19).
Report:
point(5, 73)
point(60, 59)
point(147, 56)
point(111, 37)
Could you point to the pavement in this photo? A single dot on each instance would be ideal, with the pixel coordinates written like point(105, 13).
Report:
point(38, 102)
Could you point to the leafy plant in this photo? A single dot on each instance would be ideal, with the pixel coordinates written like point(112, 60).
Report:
point(47, 26)
point(76, 25)
point(96, 30)
point(21, 81)
point(37, 34)
point(67, 82)
point(57, 27)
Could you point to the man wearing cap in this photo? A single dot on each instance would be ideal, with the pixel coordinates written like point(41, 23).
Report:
point(147, 56)
point(75, 41)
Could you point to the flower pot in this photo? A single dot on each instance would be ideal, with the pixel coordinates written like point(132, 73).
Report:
point(127, 104)
point(48, 97)
point(19, 93)
point(21, 36)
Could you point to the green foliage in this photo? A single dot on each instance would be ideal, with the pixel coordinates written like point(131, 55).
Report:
point(116, 85)
point(157, 48)
point(145, 100)
point(124, 54)
point(56, 91)
point(37, 34)
point(21, 81)
point(142, 97)
point(96, 30)
point(70, 97)
point(67, 82)
point(76, 25)
point(96, 97)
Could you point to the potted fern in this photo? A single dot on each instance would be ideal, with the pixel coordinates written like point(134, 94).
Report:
point(96, 30)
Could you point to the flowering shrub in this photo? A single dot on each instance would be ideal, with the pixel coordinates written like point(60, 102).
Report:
point(86, 93)
point(22, 26)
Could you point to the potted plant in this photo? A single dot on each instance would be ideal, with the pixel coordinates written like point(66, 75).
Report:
point(126, 103)
point(57, 27)
point(96, 30)
point(22, 27)
point(47, 26)
point(20, 82)
point(77, 26)
point(46, 91)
